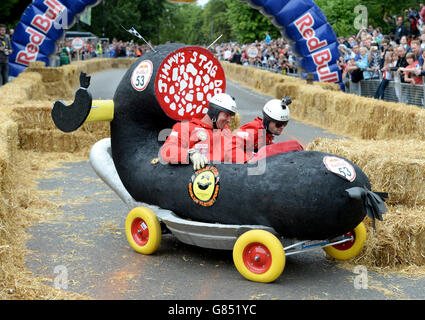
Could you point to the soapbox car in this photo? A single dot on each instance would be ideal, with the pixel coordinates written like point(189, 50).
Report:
point(317, 198)
point(259, 252)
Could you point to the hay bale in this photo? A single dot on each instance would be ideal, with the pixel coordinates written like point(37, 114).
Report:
point(8, 150)
point(21, 206)
point(25, 123)
point(37, 64)
point(57, 141)
point(353, 116)
point(265, 81)
point(34, 115)
point(398, 243)
point(27, 86)
point(393, 166)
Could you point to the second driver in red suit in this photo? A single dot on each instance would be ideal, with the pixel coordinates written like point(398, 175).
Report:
point(261, 131)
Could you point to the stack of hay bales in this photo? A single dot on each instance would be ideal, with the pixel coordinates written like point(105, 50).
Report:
point(388, 144)
point(62, 82)
point(29, 99)
point(28, 86)
point(354, 116)
point(26, 126)
point(37, 131)
point(16, 201)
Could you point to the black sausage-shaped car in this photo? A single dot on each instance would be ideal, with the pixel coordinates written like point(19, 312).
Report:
point(301, 195)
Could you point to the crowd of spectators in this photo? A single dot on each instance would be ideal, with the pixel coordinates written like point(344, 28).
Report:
point(398, 55)
point(369, 54)
point(273, 54)
point(97, 48)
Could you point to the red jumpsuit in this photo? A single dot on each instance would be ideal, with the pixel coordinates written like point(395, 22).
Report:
point(255, 135)
point(259, 143)
point(217, 145)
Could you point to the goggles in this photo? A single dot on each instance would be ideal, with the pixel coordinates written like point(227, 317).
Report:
point(281, 124)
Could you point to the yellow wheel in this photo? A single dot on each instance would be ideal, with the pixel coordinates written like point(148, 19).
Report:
point(259, 256)
point(349, 249)
point(143, 230)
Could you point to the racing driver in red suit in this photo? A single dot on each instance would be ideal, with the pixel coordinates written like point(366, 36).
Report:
point(261, 132)
point(208, 139)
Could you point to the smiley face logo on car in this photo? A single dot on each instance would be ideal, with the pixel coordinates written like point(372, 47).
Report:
point(204, 186)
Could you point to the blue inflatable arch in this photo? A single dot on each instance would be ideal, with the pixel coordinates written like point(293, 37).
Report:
point(42, 24)
point(300, 21)
point(312, 38)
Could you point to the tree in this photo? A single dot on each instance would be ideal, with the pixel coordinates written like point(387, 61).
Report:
point(340, 14)
point(181, 23)
point(150, 12)
point(248, 24)
point(143, 15)
point(216, 22)
point(12, 10)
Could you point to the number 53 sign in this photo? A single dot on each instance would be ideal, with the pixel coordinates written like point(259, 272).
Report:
point(142, 75)
point(340, 167)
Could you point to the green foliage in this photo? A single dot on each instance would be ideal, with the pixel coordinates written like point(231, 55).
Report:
point(181, 23)
point(116, 13)
point(248, 24)
point(11, 11)
point(215, 22)
point(340, 14)
point(159, 21)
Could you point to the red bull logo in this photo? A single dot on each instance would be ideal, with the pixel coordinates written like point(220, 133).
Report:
point(43, 23)
point(321, 58)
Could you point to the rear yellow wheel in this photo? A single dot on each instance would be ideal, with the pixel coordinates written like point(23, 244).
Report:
point(143, 230)
point(349, 249)
point(259, 256)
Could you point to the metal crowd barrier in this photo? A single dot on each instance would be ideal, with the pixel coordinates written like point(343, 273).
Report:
point(395, 91)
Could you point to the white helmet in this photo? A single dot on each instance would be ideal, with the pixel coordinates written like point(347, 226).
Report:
point(276, 110)
point(221, 102)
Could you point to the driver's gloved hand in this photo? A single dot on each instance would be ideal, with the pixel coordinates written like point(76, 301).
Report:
point(199, 160)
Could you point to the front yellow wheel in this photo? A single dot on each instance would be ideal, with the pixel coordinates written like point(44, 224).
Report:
point(349, 249)
point(143, 230)
point(259, 256)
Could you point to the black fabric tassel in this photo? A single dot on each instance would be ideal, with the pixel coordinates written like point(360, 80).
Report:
point(373, 202)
